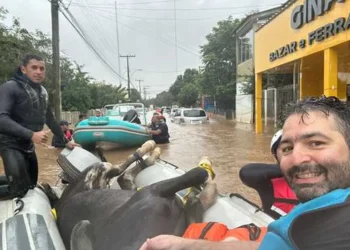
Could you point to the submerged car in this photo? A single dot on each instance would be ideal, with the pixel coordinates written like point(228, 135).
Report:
point(191, 116)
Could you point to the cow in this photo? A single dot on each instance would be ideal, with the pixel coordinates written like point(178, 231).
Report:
point(91, 216)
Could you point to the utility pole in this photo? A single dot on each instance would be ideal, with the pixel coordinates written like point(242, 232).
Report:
point(128, 68)
point(56, 59)
point(144, 92)
point(139, 85)
point(118, 48)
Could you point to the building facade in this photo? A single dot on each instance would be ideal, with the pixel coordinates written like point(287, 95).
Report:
point(245, 33)
point(309, 39)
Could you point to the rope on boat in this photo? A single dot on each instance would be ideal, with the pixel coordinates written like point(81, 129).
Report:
point(19, 206)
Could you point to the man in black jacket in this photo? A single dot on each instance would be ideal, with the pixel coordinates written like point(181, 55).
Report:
point(23, 112)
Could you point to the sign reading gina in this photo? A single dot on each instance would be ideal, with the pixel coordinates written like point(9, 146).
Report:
point(311, 9)
point(331, 29)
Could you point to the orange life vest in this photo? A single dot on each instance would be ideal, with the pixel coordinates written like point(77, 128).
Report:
point(215, 231)
point(284, 197)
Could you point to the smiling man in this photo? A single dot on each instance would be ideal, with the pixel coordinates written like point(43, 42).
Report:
point(315, 159)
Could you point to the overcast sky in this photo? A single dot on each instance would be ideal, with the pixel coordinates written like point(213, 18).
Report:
point(146, 29)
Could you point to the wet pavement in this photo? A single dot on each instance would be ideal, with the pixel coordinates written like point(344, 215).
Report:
point(230, 145)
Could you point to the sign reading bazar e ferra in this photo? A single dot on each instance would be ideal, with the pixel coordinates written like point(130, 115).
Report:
point(307, 13)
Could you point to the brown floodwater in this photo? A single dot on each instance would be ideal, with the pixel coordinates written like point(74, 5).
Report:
point(230, 146)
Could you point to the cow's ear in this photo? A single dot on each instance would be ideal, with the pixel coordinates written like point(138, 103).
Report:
point(82, 236)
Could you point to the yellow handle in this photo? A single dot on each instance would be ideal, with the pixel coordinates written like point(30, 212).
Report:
point(54, 214)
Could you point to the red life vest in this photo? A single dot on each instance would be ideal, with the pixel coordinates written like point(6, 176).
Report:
point(68, 134)
point(215, 231)
point(284, 196)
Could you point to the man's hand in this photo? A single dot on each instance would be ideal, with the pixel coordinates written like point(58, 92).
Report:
point(165, 242)
point(40, 137)
point(72, 145)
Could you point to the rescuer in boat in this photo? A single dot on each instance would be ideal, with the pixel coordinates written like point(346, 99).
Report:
point(24, 110)
point(159, 130)
point(59, 142)
point(276, 195)
point(314, 155)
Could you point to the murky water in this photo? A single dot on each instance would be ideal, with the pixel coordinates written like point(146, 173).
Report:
point(230, 145)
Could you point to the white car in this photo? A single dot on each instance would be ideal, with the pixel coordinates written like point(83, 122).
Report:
point(191, 116)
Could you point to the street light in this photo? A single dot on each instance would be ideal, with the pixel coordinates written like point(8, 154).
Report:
point(135, 71)
point(132, 72)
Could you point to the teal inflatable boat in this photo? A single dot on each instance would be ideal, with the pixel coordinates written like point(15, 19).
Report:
point(109, 129)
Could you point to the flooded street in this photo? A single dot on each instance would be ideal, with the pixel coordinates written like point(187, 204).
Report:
point(229, 145)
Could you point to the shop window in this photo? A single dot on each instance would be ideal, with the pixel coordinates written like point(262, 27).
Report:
point(245, 49)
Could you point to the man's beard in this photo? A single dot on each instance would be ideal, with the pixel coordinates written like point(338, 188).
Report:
point(336, 176)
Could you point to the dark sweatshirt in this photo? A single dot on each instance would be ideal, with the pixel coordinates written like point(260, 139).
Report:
point(23, 110)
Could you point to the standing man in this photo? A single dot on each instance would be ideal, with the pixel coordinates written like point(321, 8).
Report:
point(23, 112)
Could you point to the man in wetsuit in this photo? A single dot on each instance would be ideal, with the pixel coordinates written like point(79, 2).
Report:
point(159, 130)
point(23, 112)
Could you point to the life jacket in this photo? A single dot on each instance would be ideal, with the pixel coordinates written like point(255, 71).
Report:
point(68, 134)
point(215, 231)
point(331, 225)
point(38, 99)
point(284, 197)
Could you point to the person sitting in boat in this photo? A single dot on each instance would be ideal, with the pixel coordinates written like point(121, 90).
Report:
point(159, 130)
point(276, 195)
point(314, 155)
point(81, 117)
point(98, 112)
point(57, 141)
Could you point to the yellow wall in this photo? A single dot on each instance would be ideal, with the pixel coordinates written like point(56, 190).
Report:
point(311, 82)
point(279, 33)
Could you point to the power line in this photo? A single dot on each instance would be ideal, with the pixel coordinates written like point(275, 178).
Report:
point(107, 6)
point(178, 19)
point(133, 3)
point(160, 39)
point(76, 27)
point(166, 40)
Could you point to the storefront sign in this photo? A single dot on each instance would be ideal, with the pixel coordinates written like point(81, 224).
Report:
point(311, 9)
point(331, 29)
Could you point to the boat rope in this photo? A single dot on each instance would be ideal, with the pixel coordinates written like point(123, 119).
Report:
point(19, 206)
point(139, 160)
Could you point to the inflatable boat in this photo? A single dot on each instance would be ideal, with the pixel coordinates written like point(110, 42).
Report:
point(29, 224)
point(231, 209)
point(110, 129)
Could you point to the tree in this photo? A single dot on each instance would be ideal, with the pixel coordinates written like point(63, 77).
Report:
point(188, 96)
point(135, 96)
point(219, 58)
point(164, 99)
point(189, 81)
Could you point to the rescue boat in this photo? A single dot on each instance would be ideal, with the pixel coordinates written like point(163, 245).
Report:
point(28, 222)
point(110, 129)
